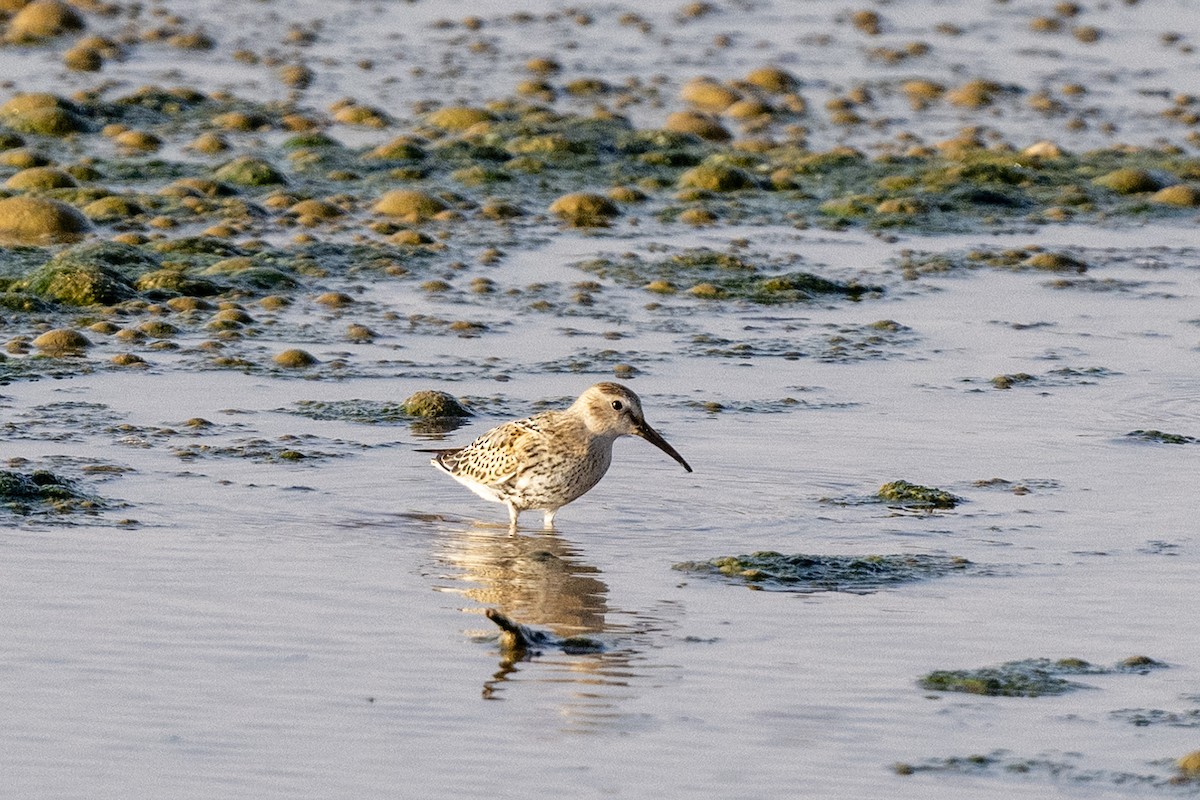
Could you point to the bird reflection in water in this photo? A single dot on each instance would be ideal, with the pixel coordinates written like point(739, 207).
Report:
point(538, 584)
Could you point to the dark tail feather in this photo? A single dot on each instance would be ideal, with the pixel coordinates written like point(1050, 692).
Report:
point(440, 456)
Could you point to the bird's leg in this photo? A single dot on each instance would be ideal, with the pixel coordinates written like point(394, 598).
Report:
point(548, 521)
point(513, 513)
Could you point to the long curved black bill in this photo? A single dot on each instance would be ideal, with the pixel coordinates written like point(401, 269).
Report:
point(652, 436)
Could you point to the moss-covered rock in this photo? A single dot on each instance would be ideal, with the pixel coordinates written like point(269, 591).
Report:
point(249, 171)
point(459, 118)
point(43, 19)
point(113, 208)
point(697, 124)
point(1182, 195)
point(43, 115)
point(1128, 180)
point(1032, 677)
point(62, 341)
point(38, 179)
point(40, 491)
point(716, 178)
point(295, 358)
point(584, 209)
point(90, 274)
point(409, 205)
point(912, 495)
point(433, 403)
point(39, 220)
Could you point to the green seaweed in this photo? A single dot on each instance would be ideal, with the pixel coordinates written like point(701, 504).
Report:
point(818, 573)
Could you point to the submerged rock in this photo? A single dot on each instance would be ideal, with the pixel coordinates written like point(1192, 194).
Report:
point(816, 573)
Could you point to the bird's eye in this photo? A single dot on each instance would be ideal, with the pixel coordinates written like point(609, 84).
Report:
point(617, 405)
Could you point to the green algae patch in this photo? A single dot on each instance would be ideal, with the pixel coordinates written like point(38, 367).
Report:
point(1033, 677)
point(817, 573)
point(41, 492)
point(1161, 437)
point(913, 495)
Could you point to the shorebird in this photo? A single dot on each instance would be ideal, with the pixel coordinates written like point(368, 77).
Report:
point(548, 460)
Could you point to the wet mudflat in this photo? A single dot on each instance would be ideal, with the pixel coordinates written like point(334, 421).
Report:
point(928, 335)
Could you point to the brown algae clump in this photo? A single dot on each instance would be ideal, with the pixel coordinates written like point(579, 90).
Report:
point(62, 342)
point(584, 209)
point(913, 495)
point(33, 220)
point(409, 205)
point(819, 573)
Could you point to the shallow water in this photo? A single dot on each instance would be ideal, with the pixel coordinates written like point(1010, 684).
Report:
point(235, 623)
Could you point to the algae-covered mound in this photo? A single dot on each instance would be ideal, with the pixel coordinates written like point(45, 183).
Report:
point(817, 573)
point(40, 491)
point(913, 495)
point(1031, 677)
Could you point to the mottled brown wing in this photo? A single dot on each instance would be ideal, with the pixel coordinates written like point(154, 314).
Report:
point(495, 457)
